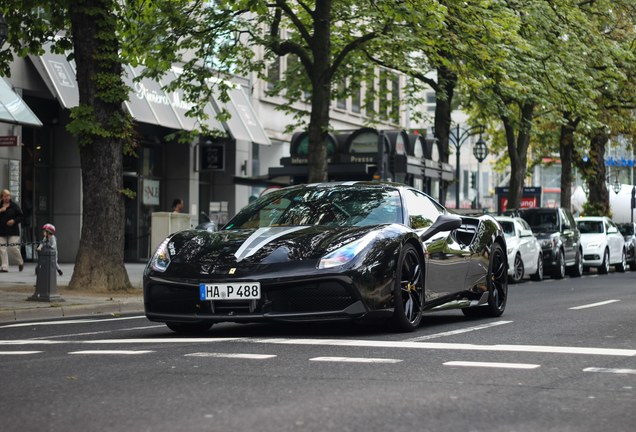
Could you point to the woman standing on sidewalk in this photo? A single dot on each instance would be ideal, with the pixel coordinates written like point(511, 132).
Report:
point(10, 219)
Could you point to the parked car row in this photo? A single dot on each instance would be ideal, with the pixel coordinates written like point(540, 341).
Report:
point(551, 240)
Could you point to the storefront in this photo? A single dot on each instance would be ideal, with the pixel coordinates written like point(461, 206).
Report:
point(162, 169)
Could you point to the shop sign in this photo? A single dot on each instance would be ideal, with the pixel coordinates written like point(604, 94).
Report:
point(8, 141)
point(212, 158)
point(150, 192)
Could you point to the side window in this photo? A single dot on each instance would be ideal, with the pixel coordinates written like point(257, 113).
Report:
point(422, 210)
point(565, 220)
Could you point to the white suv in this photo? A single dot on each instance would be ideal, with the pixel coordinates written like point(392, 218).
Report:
point(603, 245)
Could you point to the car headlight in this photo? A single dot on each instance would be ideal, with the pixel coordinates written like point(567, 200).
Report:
point(510, 250)
point(161, 259)
point(345, 253)
point(548, 243)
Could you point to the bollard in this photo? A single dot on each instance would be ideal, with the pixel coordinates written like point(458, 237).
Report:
point(46, 277)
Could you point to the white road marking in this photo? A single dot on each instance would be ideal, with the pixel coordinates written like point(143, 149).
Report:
point(610, 370)
point(355, 360)
point(493, 365)
point(97, 332)
point(603, 303)
point(116, 352)
point(350, 343)
point(19, 352)
point(455, 332)
point(79, 321)
point(453, 346)
point(229, 355)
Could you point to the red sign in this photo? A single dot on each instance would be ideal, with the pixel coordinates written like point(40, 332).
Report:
point(8, 141)
point(526, 202)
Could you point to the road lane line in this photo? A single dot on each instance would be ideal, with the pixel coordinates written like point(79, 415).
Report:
point(350, 343)
point(610, 370)
point(78, 321)
point(116, 352)
point(492, 365)
point(603, 303)
point(459, 331)
point(19, 352)
point(453, 346)
point(355, 360)
point(229, 355)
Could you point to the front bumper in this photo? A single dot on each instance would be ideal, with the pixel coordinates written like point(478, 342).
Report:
point(292, 300)
point(593, 257)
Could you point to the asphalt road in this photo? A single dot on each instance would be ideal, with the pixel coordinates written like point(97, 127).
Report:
point(562, 358)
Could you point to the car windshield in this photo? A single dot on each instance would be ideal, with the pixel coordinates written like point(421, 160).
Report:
point(508, 228)
point(332, 206)
point(590, 227)
point(626, 229)
point(541, 221)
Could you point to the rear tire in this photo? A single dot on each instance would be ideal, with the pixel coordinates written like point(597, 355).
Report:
point(497, 280)
point(559, 271)
point(538, 275)
point(577, 269)
point(517, 274)
point(620, 267)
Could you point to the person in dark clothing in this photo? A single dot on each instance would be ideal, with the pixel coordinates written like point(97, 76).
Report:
point(10, 219)
point(177, 205)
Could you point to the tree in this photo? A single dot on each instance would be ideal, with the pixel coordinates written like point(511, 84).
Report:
point(91, 30)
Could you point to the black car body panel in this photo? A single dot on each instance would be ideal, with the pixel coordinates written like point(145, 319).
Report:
point(556, 230)
point(628, 229)
point(286, 261)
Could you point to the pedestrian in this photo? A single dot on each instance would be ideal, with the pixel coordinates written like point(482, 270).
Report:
point(177, 205)
point(10, 219)
point(49, 240)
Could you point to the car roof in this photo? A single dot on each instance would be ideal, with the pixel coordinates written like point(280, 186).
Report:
point(592, 218)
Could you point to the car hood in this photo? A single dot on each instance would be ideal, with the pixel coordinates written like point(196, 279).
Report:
point(592, 238)
point(198, 251)
point(512, 242)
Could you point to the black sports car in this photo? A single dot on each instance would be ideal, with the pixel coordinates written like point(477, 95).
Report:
point(330, 251)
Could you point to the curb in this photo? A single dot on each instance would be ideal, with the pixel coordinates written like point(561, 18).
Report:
point(62, 311)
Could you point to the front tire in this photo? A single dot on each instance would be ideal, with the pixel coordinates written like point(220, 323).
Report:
point(497, 280)
point(604, 268)
point(408, 296)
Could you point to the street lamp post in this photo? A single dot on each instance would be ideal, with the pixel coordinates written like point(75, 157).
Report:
point(480, 151)
point(457, 138)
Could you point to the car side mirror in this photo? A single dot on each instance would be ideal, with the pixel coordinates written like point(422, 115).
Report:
point(445, 222)
point(525, 233)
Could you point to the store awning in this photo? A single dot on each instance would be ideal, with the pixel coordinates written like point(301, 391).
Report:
point(149, 103)
point(13, 109)
point(243, 124)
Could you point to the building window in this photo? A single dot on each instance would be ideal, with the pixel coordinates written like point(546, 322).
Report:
point(356, 99)
point(273, 74)
point(341, 95)
point(369, 98)
point(395, 99)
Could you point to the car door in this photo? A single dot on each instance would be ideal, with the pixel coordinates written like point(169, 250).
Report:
point(446, 258)
point(615, 241)
point(568, 237)
point(527, 243)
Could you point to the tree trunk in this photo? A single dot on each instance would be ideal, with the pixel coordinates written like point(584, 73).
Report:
point(101, 126)
point(321, 93)
point(598, 197)
point(443, 109)
point(566, 150)
point(518, 152)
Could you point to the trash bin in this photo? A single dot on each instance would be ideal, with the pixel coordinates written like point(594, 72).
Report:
point(46, 277)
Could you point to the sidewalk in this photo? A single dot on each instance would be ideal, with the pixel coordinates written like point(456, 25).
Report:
point(16, 287)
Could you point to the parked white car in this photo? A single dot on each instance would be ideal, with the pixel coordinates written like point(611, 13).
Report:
point(524, 250)
point(603, 245)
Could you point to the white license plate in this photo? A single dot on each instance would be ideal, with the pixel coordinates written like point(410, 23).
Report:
point(230, 291)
